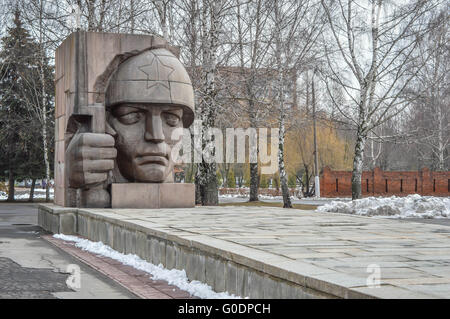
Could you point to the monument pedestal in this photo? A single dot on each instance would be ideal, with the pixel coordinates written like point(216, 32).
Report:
point(152, 195)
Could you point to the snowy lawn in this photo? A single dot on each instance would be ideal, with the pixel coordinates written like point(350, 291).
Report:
point(174, 277)
point(233, 196)
point(267, 197)
point(38, 194)
point(412, 206)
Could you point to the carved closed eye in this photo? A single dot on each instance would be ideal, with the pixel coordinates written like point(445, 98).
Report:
point(130, 118)
point(171, 119)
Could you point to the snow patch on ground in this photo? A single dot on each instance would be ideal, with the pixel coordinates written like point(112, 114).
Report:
point(326, 199)
point(259, 196)
point(38, 194)
point(233, 196)
point(174, 277)
point(275, 197)
point(412, 206)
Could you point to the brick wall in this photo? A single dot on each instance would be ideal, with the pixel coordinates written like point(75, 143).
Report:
point(381, 183)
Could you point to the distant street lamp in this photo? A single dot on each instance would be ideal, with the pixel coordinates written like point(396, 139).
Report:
point(316, 160)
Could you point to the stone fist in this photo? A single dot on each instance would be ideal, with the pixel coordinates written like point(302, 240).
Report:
point(91, 156)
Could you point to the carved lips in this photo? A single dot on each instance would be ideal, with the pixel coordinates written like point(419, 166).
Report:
point(153, 158)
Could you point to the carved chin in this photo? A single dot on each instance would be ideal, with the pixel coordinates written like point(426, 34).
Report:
point(151, 173)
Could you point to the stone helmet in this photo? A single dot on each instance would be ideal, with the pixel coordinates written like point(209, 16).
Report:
point(153, 76)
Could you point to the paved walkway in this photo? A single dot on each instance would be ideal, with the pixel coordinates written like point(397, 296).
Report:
point(414, 258)
point(137, 281)
point(32, 268)
point(35, 265)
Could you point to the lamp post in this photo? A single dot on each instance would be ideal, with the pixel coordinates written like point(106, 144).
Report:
point(316, 160)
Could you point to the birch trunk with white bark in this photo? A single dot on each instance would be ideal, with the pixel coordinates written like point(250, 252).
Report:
point(358, 163)
point(207, 177)
point(281, 109)
point(44, 103)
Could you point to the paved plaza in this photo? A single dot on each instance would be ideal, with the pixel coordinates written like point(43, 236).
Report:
point(334, 249)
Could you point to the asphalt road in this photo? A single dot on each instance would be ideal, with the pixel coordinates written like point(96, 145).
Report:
point(30, 267)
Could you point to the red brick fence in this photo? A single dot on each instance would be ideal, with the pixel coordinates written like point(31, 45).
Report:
point(381, 183)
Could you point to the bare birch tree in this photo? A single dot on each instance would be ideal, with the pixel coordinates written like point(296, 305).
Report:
point(212, 15)
point(40, 104)
point(372, 53)
point(164, 9)
point(429, 125)
point(296, 26)
point(253, 42)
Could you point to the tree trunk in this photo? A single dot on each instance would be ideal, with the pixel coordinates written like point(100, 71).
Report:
point(207, 177)
point(33, 185)
point(254, 181)
point(281, 96)
point(283, 180)
point(11, 186)
point(281, 167)
point(358, 164)
point(225, 174)
point(208, 187)
point(198, 192)
point(91, 15)
point(44, 105)
point(307, 180)
point(133, 17)
point(44, 139)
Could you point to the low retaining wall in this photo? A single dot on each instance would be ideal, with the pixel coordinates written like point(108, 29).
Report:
point(225, 266)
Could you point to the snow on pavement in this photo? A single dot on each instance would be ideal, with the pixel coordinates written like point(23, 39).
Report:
point(412, 206)
point(173, 277)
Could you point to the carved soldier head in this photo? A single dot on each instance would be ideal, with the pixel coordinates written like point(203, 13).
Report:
point(148, 97)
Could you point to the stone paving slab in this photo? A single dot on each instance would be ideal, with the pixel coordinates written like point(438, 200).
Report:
point(323, 251)
point(341, 246)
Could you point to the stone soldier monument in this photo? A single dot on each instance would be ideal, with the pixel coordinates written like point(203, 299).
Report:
point(119, 100)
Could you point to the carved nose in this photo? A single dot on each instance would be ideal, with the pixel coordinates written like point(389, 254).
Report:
point(154, 130)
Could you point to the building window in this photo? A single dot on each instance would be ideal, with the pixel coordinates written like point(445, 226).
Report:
point(337, 185)
point(386, 185)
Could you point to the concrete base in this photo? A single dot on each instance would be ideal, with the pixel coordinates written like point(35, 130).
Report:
point(270, 252)
point(62, 220)
point(142, 195)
